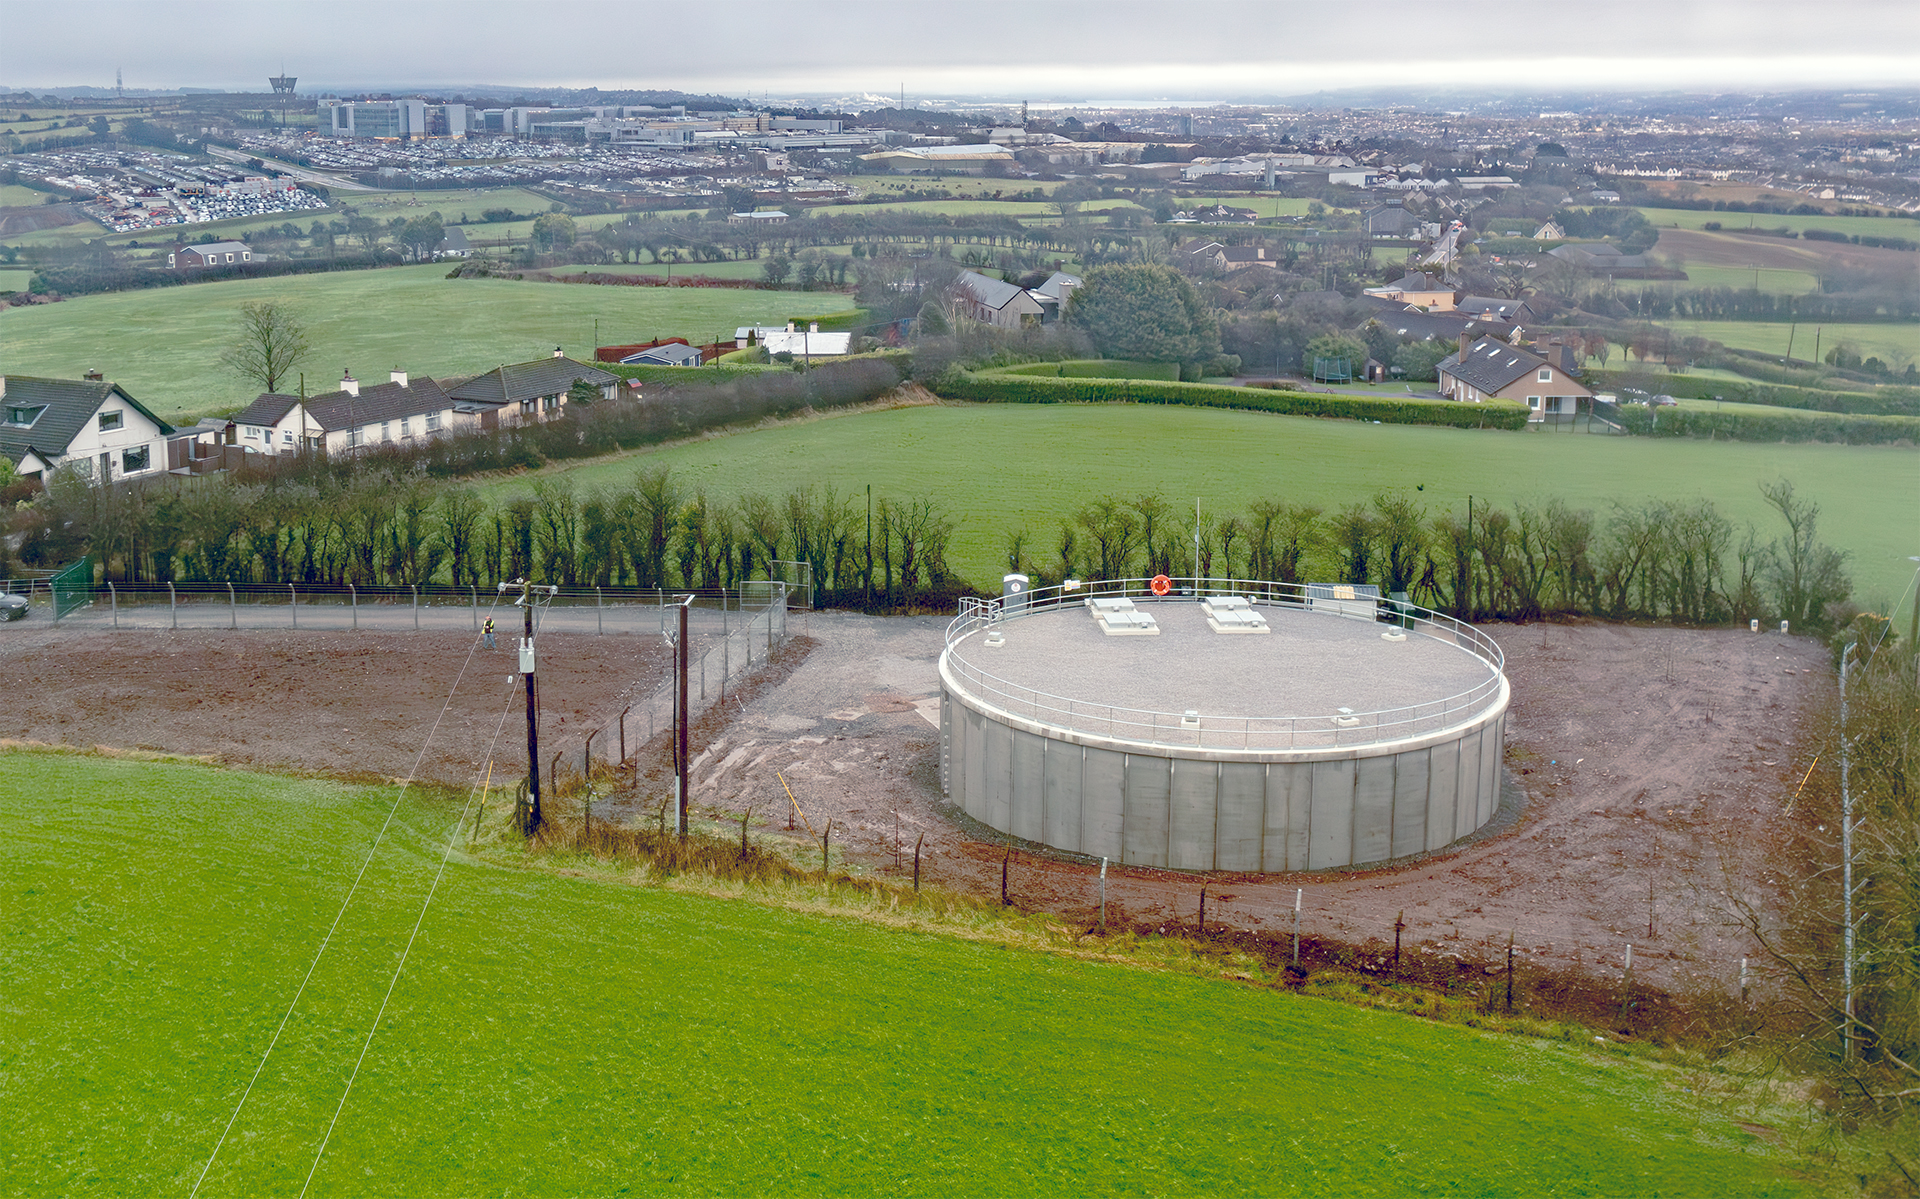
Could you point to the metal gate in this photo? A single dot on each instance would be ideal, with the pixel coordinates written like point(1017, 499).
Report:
point(72, 587)
point(798, 576)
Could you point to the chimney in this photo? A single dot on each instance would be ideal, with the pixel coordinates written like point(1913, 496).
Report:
point(1464, 340)
point(398, 376)
point(558, 352)
point(349, 384)
point(92, 376)
point(813, 326)
point(789, 326)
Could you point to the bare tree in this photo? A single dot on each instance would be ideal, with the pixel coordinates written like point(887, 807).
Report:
point(270, 344)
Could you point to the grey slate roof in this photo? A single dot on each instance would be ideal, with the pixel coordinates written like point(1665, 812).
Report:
point(266, 410)
point(1492, 364)
point(994, 293)
point(1506, 310)
point(529, 380)
point(69, 404)
point(336, 411)
point(1439, 326)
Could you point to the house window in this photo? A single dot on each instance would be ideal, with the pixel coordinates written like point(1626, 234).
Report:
point(24, 416)
point(385, 434)
point(1533, 402)
point(135, 459)
point(251, 433)
point(111, 420)
point(355, 437)
point(286, 436)
point(1546, 375)
point(526, 407)
point(433, 422)
point(406, 426)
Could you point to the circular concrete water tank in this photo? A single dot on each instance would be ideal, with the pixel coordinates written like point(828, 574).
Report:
point(1244, 726)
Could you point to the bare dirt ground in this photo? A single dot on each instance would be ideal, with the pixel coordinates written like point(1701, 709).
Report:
point(1656, 765)
point(340, 703)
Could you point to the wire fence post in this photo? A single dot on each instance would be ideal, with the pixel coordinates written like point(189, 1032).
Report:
point(113, 599)
point(293, 604)
point(1296, 925)
point(233, 608)
point(354, 594)
point(599, 617)
point(413, 587)
point(475, 591)
point(173, 605)
point(1103, 896)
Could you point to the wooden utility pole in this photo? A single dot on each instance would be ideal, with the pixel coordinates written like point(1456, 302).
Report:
point(533, 720)
point(680, 716)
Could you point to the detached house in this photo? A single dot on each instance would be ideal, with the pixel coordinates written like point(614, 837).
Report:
point(1419, 289)
point(529, 391)
point(219, 253)
point(1490, 369)
point(90, 425)
point(996, 302)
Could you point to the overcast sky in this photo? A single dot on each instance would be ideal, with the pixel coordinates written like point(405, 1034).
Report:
point(1045, 50)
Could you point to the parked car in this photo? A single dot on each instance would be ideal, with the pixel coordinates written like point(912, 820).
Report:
point(1665, 402)
point(13, 607)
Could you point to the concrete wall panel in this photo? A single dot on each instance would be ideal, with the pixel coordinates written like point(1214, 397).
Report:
point(1489, 773)
point(1330, 830)
point(1240, 825)
point(1467, 807)
point(997, 759)
point(974, 764)
point(1443, 791)
point(1103, 803)
point(1028, 819)
point(1193, 814)
point(1061, 787)
point(1373, 809)
point(1294, 782)
point(1410, 802)
point(1149, 784)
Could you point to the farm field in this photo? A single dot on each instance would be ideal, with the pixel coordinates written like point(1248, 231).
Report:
point(13, 279)
point(1895, 344)
point(1877, 226)
point(1031, 465)
point(12, 195)
point(1772, 280)
point(164, 344)
point(560, 1035)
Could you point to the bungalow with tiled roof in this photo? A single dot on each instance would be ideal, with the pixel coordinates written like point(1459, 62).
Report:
point(996, 302)
point(1490, 369)
point(400, 411)
point(1417, 288)
point(531, 391)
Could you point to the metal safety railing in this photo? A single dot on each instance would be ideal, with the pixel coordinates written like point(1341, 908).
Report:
point(1223, 730)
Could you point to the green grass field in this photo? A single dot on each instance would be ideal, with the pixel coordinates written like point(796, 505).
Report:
point(12, 195)
point(1772, 280)
point(13, 279)
point(996, 468)
point(1896, 345)
point(561, 1036)
point(1876, 226)
point(164, 344)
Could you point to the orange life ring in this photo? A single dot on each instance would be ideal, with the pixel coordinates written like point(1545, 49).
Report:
point(1161, 584)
